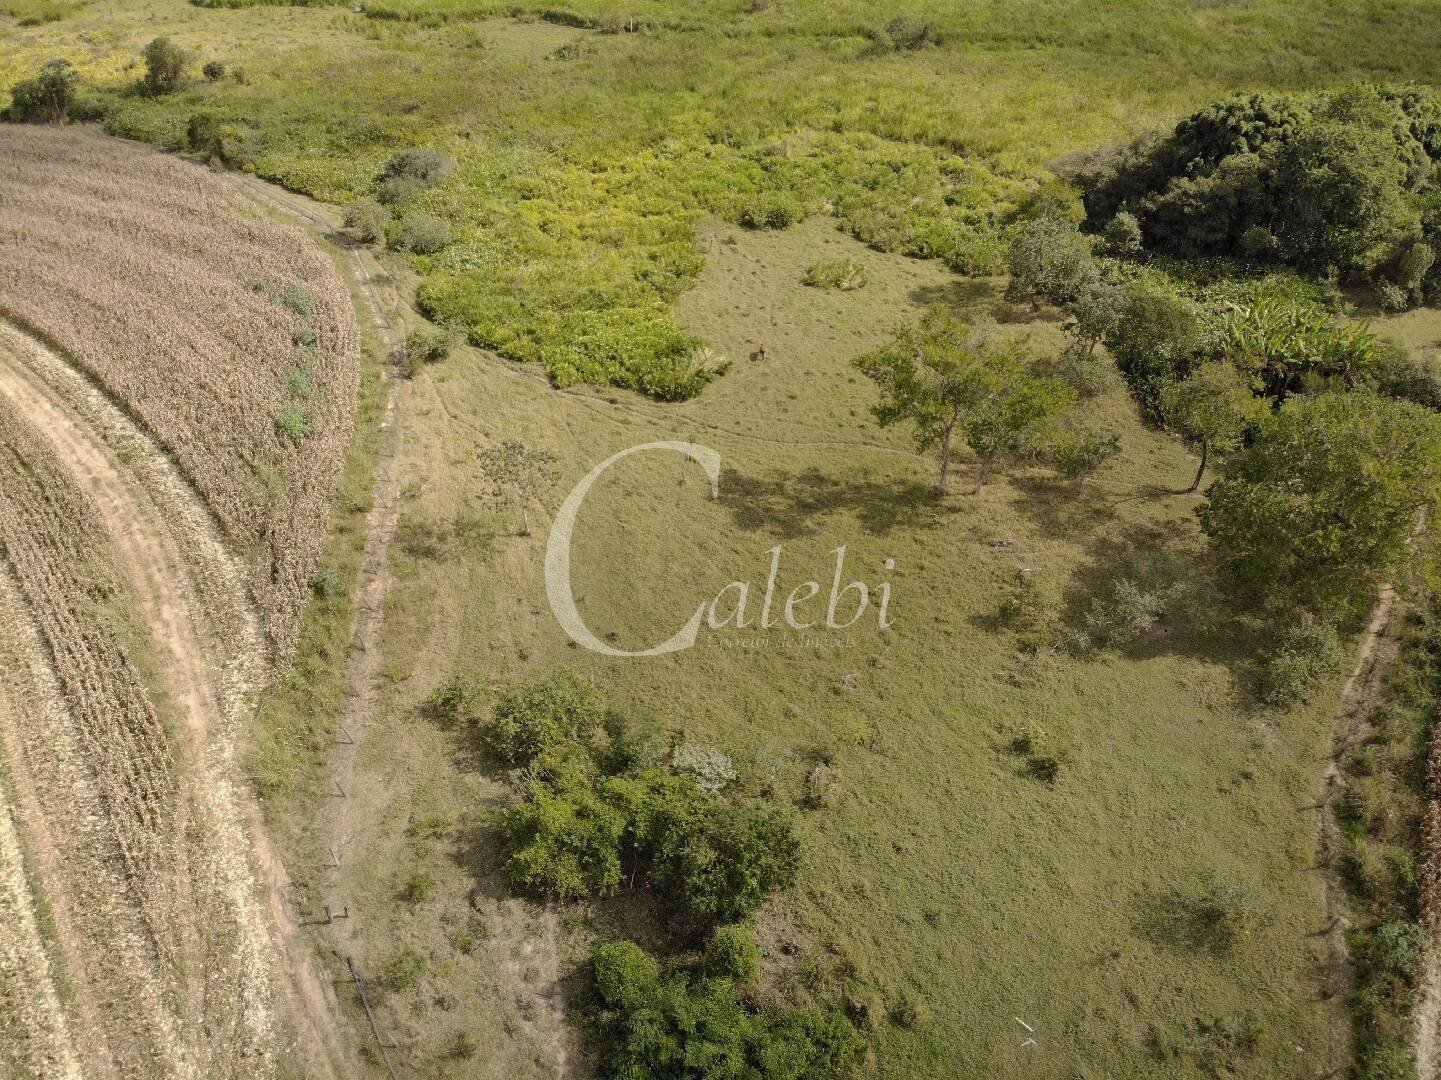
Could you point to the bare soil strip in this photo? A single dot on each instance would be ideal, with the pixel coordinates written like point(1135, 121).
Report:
point(1357, 701)
point(212, 657)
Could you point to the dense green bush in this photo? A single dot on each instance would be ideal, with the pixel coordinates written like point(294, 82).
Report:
point(404, 970)
point(1322, 182)
point(572, 836)
point(367, 219)
point(1157, 336)
point(202, 133)
point(426, 346)
point(421, 164)
point(732, 954)
point(456, 701)
point(1308, 652)
point(1049, 258)
point(567, 843)
point(1077, 452)
point(47, 98)
point(725, 861)
point(771, 210)
point(420, 233)
point(1412, 376)
point(541, 716)
point(692, 1026)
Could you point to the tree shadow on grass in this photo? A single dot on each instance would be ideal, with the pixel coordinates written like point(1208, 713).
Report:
point(964, 295)
point(1062, 507)
point(1199, 620)
point(792, 506)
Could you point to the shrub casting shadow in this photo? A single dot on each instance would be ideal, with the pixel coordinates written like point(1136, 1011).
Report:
point(791, 506)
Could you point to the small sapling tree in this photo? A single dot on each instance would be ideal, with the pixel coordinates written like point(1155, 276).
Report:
point(522, 472)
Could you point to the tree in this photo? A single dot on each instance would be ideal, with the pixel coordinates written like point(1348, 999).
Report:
point(527, 473)
point(942, 377)
point(1324, 501)
point(1049, 258)
point(164, 65)
point(1156, 337)
point(1212, 408)
point(1014, 412)
point(1340, 188)
point(1095, 313)
point(48, 96)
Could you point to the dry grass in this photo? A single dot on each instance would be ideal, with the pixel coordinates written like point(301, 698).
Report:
point(34, 1034)
point(156, 892)
point(230, 338)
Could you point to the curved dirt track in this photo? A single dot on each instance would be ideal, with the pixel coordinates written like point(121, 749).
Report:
point(210, 659)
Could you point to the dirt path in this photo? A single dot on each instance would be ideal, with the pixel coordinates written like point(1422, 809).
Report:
point(363, 667)
point(1356, 704)
point(212, 661)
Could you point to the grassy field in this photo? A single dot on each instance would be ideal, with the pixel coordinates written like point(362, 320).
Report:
point(600, 180)
point(945, 875)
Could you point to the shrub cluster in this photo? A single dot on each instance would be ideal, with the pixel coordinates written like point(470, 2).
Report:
point(702, 1025)
point(590, 815)
point(426, 346)
point(419, 233)
point(47, 97)
point(1159, 325)
point(843, 273)
point(1308, 652)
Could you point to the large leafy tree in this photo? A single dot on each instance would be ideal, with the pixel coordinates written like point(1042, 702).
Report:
point(1325, 500)
point(945, 378)
point(1340, 188)
point(47, 97)
point(1211, 408)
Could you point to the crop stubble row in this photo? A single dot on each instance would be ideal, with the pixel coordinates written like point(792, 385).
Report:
point(152, 274)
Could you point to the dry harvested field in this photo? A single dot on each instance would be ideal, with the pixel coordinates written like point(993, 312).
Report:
point(229, 338)
point(127, 793)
